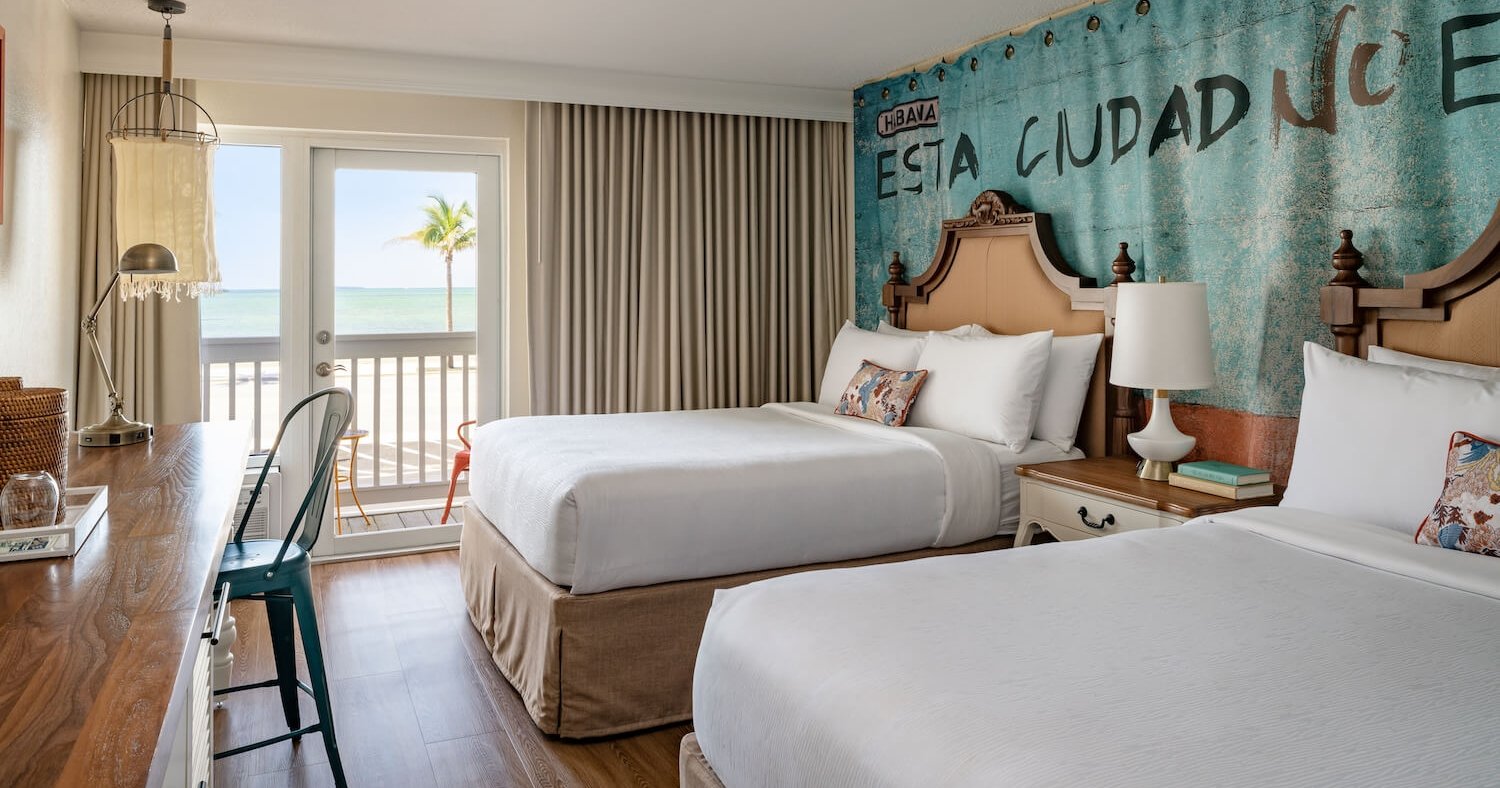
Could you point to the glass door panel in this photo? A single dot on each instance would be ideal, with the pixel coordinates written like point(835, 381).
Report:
point(397, 248)
point(240, 327)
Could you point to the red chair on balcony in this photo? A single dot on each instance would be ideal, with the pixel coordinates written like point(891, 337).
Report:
point(460, 465)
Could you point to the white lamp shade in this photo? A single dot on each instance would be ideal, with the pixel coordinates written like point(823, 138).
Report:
point(164, 196)
point(1161, 336)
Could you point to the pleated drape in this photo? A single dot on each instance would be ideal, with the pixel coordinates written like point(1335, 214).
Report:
point(681, 260)
point(151, 343)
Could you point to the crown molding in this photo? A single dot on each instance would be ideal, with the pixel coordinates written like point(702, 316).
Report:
point(121, 53)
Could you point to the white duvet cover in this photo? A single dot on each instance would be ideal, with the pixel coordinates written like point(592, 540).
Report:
point(605, 502)
point(1269, 647)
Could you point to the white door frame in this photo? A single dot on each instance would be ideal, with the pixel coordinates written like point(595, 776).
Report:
point(300, 353)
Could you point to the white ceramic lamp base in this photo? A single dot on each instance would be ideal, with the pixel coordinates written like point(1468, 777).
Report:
point(1160, 444)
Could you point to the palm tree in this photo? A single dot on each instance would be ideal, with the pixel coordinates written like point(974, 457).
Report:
point(448, 230)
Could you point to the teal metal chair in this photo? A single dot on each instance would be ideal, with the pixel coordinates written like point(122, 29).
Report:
point(279, 573)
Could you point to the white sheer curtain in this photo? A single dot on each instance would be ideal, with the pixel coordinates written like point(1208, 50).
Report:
point(151, 343)
point(681, 260)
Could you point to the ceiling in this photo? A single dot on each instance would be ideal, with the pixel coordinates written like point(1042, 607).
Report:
point(798, 43)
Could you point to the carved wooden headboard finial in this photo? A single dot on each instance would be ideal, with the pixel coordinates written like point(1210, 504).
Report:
point(992, 207)
point(1123, 266)
point(1338, 297)
point(897, 271)
point(1347, 261)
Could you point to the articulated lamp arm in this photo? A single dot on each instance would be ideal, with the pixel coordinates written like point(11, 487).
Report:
point(91, 330)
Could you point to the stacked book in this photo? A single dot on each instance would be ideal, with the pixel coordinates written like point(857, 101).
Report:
point(1222, 479)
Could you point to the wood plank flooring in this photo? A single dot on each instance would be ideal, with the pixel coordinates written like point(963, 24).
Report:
point(417, 701)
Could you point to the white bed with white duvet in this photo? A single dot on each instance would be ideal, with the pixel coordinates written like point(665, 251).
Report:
point(1265, 647)
point(1310, 644)
point(596, 503)
point(601, 502)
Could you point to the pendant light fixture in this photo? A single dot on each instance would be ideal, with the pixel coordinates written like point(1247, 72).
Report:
point(163, 179)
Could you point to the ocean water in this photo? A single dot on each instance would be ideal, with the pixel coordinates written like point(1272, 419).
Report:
point(257, 313)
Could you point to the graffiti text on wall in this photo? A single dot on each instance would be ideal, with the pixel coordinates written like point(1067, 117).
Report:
point(1221, 102)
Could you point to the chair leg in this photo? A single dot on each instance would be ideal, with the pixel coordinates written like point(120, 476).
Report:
point(452, 488)
point(284, 649)
point(312, 647)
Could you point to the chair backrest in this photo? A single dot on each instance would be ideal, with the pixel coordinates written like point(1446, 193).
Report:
point(329, 426)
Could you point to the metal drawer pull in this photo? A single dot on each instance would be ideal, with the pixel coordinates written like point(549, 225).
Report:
point(214, 634)
point(1083, 514)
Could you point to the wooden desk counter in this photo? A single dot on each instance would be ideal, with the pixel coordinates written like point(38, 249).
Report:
point(96, 651)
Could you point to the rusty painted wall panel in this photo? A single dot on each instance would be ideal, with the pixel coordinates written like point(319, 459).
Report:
point(1323, 116)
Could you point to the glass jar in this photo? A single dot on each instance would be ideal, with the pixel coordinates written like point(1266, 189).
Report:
point(29, 500)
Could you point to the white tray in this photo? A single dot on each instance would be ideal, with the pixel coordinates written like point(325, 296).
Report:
point(86, 507)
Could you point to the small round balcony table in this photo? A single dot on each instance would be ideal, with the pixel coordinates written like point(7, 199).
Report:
point(344, 473)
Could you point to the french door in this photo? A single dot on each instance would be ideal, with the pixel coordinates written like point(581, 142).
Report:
point(333, 277)
point(402, 306)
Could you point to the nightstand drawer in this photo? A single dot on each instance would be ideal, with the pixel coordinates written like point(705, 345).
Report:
point(1100, 517)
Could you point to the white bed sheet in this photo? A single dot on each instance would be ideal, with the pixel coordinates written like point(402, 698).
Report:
point(603, 502)
point(1265, 647)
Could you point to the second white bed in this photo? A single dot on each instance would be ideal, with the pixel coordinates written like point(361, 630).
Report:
point(596, 503)
point(1273, 647)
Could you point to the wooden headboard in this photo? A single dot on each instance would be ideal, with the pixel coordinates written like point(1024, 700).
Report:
point(1451, 312)
point(999, 267)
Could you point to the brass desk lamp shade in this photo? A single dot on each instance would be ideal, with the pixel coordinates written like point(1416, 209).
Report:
point(117, 430)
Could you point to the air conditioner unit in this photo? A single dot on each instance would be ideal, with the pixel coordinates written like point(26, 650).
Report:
point(265, 521)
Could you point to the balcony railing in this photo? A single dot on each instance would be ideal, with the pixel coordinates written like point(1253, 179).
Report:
point(411, 391)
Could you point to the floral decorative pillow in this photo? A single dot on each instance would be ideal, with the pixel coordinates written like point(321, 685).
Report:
point(1467, 515)
point(880, 394)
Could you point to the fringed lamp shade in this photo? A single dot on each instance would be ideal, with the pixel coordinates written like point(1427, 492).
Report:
point(164, 195)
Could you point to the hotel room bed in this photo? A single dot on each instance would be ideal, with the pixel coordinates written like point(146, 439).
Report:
point(1264, 647)
point(1316, 643)
point(592, 545)
point(596, 503)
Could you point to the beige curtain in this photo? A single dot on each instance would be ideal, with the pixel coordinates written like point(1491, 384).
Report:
point(151, 343)
point(681, 260)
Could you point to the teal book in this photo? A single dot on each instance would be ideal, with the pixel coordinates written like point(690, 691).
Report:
point(1224, 473)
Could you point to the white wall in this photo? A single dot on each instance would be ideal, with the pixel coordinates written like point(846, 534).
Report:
point(39, 237)
point(335, 109)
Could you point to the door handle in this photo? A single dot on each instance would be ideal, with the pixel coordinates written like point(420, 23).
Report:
point(324, 369)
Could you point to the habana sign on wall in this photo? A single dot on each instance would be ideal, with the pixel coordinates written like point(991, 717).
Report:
point(1228, 142)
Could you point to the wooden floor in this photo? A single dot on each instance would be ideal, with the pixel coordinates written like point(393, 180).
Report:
point(395, 521)
point(417, 701)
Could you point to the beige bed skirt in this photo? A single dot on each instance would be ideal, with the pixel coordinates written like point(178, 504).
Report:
point(607, 663)
point(693, 770)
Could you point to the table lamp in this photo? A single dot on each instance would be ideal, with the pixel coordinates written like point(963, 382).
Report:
point(140, 260)
point(1161, 343)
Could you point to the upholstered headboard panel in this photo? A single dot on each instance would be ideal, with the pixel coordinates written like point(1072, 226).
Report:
point(999, 267)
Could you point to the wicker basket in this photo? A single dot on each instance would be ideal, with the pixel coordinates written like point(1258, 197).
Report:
point(34, 434)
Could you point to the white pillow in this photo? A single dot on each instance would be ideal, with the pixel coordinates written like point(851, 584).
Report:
point(854, 345)
point(1381, 355)
point(984, 387)
point(1066, 389)
point(1372, 443)
point(970, 330)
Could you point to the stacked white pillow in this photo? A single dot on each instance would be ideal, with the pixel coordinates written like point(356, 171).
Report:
point(1066, 389)
point(970, 330)
point(854, 345)
point(985, 387)
point(1372, 443)
point(1381, 355)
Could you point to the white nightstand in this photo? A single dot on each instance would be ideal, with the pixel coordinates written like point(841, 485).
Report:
point(1082, 499)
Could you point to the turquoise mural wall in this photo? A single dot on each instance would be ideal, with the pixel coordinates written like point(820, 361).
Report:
point(1227, 142)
